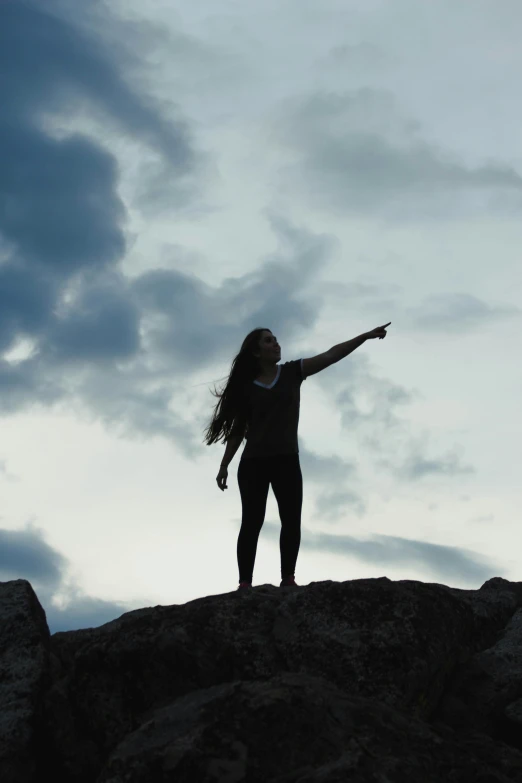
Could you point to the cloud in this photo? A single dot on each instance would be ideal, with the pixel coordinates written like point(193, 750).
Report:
point(128, 339)
point(62, 231)
point(458, 312)
point(369, 408)
point(101, 324)
point(82, 611)
point(61, 216)
point(356, 152)
point(24, 554)
point(58, 203)
point(447, 563)
point(62, 60)
point(60, 211)
point(416, 466)
point(358, 60)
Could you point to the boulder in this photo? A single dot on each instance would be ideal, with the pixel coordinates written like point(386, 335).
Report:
point(363, 680)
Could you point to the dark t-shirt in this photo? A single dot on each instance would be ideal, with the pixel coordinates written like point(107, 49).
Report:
point(273, 413)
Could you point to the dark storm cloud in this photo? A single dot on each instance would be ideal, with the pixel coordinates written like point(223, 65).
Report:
point(58, 199)
point(61, 218)
point(102, 323)
point(58, 204)
point(25, 302)
point(57, 64)
point(355, 152)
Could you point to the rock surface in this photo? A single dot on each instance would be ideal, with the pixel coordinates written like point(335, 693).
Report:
point(367, 680)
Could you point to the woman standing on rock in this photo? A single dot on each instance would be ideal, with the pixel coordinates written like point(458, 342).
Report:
point(260, 402)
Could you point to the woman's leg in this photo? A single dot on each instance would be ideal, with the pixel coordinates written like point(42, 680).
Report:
point(287, 484)
point(253, 481)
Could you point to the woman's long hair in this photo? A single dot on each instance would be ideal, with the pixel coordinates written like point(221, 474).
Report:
point(230, 412)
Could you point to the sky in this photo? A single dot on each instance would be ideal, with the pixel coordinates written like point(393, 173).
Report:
point(174, 175)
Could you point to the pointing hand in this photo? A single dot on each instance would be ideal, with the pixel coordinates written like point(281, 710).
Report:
point(379, 331)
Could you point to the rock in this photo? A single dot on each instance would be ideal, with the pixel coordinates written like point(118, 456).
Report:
point(24, 669)
point(364, 680)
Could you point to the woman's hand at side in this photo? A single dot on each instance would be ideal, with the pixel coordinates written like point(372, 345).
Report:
point(222, 477)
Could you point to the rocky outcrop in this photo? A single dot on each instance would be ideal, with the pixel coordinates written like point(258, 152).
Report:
point(364, 680)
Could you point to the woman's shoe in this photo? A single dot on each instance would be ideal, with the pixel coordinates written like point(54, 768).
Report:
point(288, 581)
point(243, 585)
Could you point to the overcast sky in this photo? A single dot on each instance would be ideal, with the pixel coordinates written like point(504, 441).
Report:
point(175, 174)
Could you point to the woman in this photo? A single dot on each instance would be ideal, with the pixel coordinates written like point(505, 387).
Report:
point(260, 402)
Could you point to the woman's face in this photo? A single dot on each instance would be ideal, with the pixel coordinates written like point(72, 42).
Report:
point(269, 348)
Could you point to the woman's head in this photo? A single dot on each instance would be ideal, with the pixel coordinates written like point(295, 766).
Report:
point(258, 348)
point(268, 351)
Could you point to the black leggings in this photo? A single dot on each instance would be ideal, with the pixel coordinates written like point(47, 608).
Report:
point(254, 475)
